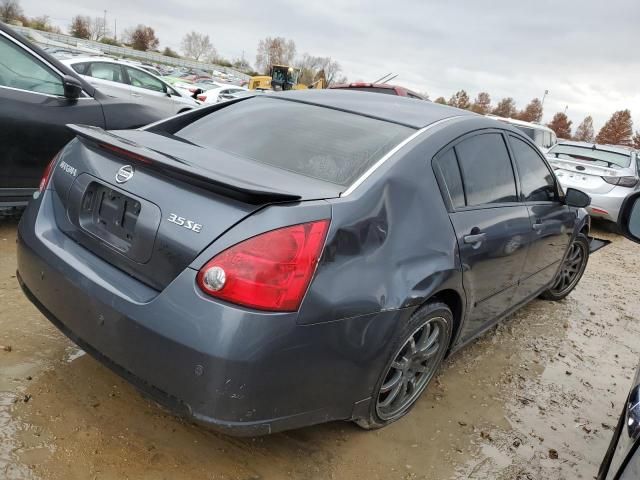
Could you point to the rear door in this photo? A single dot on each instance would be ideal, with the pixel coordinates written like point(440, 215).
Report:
point(552, 222)
point(109, 78)
point(491, 225)
point(151, 91)
point(33, 115)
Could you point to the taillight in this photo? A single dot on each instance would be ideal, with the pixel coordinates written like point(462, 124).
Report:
point(629, 182)
point(202, 98)
point(270, 271)
point(46, 175)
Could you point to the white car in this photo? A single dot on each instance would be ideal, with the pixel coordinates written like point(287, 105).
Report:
point(220, 93)
point(123, 80)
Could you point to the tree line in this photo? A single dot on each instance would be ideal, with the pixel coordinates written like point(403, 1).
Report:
point(195, 45)
point(618, 130)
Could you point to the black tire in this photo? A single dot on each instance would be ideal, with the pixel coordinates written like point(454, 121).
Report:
point(433, 319)
point(563, 285)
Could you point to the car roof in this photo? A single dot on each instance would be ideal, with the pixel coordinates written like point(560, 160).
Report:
point(392, 108)
point(597, 146)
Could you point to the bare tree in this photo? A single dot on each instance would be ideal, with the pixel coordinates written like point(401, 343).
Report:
point(274, 51)
point(505, 108)
point(584, 132)
point(460, 99)
point(197, 45)
point(97, 28)
point(441, 100)
point(561, 125)
point(312, 67)
point(482, 103)
point(617, 130)
point(532, 112)
point(10, 10)
point(636, 140)
point(80, 27)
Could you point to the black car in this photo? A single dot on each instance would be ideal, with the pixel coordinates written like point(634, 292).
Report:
point(282, 260)
point(622, 459)
point(38, 97)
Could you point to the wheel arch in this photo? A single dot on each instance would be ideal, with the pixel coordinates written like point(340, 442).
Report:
point(455, 301)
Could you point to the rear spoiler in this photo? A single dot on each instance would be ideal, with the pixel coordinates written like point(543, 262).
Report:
point(176, 168)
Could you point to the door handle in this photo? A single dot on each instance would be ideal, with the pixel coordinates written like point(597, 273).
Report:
point(476, 238)
point(537, 226)
point(136, 95)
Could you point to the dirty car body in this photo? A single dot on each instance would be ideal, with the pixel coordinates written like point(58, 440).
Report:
point(120, 249)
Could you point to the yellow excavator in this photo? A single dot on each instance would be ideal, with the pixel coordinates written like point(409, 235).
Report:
point(284, 77)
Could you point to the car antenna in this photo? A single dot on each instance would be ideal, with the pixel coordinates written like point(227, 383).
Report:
point(390, 78)
point(383, 77)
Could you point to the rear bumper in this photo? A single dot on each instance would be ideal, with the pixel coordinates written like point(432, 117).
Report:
point(238, 371)
point(606, 206)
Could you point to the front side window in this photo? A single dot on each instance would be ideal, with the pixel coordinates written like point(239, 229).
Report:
point(141, 79)
point(536, 179)
point(107, 71)
point(487, 173)
point(322, 143)
point(19, 69)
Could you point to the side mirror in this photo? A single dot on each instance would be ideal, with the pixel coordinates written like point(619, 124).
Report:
point(576, 198)
point(629, 219)
point(72, 87)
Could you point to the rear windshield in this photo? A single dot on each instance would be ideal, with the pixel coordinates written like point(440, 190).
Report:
point(601, 157)
point(318, 142)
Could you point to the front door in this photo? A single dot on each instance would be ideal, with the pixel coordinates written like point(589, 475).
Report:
point(552, 222)
point(148, 90)
point(33, 117)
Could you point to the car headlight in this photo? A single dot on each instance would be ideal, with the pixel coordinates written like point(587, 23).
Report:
point(622, 181)
point(633, 413)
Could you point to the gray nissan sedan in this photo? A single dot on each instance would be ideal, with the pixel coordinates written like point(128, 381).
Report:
point(279, 261)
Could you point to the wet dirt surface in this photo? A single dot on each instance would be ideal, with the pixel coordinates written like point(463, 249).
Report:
point(550, 379)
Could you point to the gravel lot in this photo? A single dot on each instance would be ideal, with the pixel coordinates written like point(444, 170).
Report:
point(536, 397)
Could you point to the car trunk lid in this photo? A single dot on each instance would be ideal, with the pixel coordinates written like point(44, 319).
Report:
point(146, 204)
point(585, 175)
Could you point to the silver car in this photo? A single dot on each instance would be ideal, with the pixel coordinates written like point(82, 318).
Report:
point(121, 79)
point(607, 173)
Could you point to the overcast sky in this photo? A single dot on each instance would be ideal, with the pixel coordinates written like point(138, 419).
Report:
point(585, 52)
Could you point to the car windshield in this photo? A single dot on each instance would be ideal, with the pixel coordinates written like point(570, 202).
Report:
point(318, 142)
point(588, 154)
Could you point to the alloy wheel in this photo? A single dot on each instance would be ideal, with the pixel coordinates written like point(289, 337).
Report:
point(412, 368)
point(571, 269)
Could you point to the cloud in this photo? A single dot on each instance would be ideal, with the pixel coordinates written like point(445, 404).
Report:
point(581, 51)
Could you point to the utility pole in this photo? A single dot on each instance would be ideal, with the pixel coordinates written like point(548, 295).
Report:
point(104, 24)
point(565, 109)
point(115, 29)
point(546, 92)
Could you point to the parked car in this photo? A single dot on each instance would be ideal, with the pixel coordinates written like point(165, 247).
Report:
point(295, 258)
point(378, 88)
point(121, 79)
point(38, 97)
point(622, 459)
point(224, 92)
point(542, 136)
point(608, 174)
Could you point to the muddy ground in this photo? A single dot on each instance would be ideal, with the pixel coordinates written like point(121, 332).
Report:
point(552, 378)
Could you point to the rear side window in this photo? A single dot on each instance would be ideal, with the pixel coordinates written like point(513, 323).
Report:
point(318, 142)
point(536, 179)
point(486, 170)
point(107, 71)
point(447, 165)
